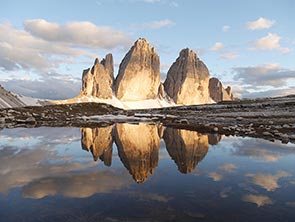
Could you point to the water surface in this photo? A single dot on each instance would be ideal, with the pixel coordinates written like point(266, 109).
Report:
point(143, 172)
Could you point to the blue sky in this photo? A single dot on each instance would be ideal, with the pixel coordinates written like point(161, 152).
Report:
point(45, 45)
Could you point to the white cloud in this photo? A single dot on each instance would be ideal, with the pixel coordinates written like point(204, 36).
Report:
point(270, 42)
point(268, 181)
point(52, 87)
point(44, 45)
point(259, 200)
point(217, 46)
point(269, 74)
point(230, 55)
point(85, 34)
point(225, 28)
point(158, 24)
point(260, 23)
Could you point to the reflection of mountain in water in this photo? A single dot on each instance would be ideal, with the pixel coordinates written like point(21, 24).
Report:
point(186, 148)
point(138, 148)
point(99, 141)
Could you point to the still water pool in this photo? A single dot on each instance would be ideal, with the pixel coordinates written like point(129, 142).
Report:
point(143, 172)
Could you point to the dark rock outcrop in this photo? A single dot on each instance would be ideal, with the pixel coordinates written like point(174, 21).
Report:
point(139, 73)
point(98, 81)
point(217, 92)
point(187, 80)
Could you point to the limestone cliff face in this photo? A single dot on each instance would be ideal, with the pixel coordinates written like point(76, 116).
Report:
point(139, 73)
point(217, 92)
point(138, 148)
point(98, 81)
point(186, 148)
point(99, 142)
point(187, 80)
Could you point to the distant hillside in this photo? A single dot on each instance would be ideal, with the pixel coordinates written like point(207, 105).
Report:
point(9, 100)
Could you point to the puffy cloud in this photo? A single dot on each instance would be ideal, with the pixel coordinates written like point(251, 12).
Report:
point(270, 74)
point(268, 93)
point(19, 49)
point(270, 42)
point(80, 185)
point(46, 88)
point(268, 181)
point(261, 150)
point(43, 46)
point(260, 23)
point(225, 28)
point(85, 34)
point(19, 167)
point(217, 46)
point(259, 200)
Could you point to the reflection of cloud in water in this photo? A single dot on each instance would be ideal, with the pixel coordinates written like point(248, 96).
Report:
point(45, 135)
point(19, 167)
point(225, 192)
point(150, 197)
point(262, 149)
point(290, 204)
point(215, 176)
point(259, 200)
point(228, 168)
point(77, 185)
point(268, 181)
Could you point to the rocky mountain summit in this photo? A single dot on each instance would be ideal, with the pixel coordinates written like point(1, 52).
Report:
point(139, 73)
point(218, 92)
point(188, 79)
point(98, 81)
point(138, 79)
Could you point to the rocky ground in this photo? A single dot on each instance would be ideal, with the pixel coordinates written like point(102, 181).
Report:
point(272, 118)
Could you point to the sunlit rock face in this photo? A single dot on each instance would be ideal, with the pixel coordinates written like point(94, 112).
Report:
point(186, 148)
point(138, 149)
point(218, 93)
point(98, 81)
point(139, 73)
point(99, 142)
point(187, 80)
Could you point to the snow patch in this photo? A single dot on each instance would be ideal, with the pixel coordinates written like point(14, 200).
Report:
point(142, 104)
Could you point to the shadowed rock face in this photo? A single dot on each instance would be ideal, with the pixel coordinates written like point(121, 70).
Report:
point(186, 148)
point(187, 80)
point(214, 139)
point(139, 73)
point(98, 81)
point(99, 141)
point(138, 149)
point(218, 93)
